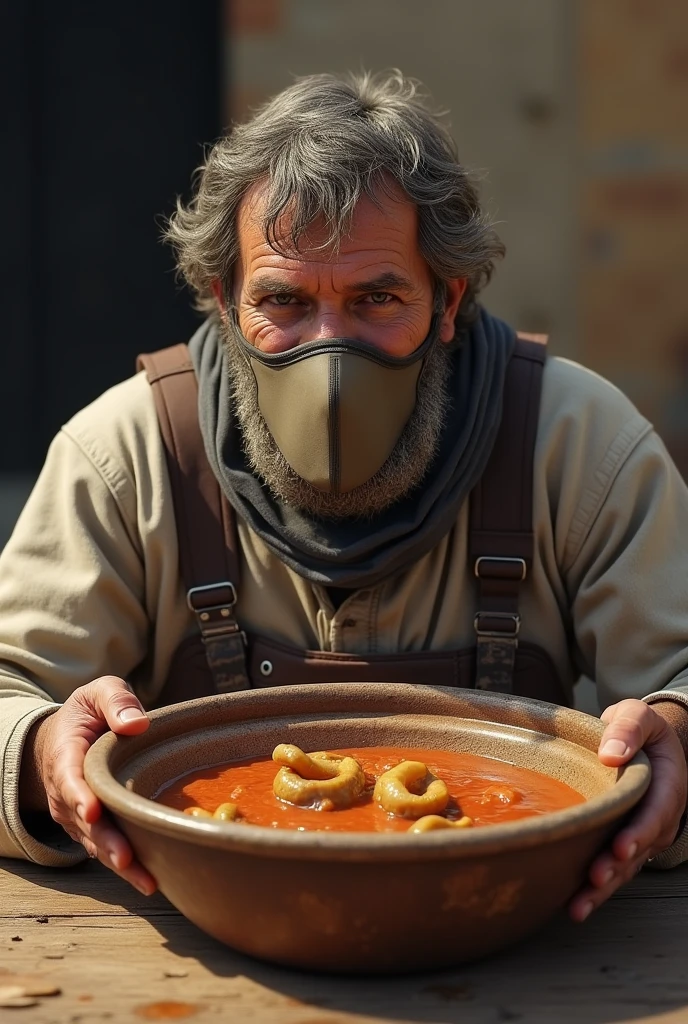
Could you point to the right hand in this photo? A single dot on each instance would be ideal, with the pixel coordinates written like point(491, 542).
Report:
point(52, 773)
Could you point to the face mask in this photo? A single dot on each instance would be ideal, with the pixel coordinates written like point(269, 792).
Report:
point(336, 408)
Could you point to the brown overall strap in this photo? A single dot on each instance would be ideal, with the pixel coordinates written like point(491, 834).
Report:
point(500, 532)
point(208, 559)
point(501, 540)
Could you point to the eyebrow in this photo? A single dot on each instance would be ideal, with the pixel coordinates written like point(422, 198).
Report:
point(270, 286)
point(265, 285)
point(383, 283)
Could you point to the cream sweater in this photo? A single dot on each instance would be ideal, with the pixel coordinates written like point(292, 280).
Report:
point(90, 585)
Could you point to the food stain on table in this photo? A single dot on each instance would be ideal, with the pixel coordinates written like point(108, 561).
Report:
point(166, 1010)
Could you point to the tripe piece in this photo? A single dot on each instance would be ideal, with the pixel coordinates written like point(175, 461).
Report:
point(226, 812)
point(433, 822)
point(393, 791)
point(321, 781)
point(197, 812)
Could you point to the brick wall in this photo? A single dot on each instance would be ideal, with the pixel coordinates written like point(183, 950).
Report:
point(502, 69)
point(632, 83)
point(576, 116)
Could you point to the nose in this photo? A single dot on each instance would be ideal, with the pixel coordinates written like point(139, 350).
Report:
point(326, 325)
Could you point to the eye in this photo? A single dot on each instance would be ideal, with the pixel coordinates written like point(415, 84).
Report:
point(282, 299)
point(380, 298)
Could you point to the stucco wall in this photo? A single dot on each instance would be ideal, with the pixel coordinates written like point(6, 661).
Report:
point(575, 113)
point(504, 72)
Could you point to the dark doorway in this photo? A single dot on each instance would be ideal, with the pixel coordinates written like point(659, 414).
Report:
point(107, 106)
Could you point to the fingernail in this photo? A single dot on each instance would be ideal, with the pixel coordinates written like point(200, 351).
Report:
point(631, 852)
point(607, 876)
point(142, 888)
point(129, 714)
point(586, 910)
point(614, 748)
point(80, 811)
point(113, 857)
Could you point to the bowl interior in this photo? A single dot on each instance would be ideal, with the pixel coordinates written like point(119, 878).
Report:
point(155, 767)
point(127, 772)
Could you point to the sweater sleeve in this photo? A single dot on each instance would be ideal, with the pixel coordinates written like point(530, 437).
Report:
point(628, 578)
point(629, 588)
point(71, 609)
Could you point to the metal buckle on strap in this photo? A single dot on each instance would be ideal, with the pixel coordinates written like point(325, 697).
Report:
point(214, 619)
point(516, 568)
point(502, 634)
point(200, 607)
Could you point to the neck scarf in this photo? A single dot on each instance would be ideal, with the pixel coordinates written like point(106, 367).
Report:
point(354, 553)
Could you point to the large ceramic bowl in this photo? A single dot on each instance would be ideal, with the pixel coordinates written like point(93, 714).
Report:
point(357, 901)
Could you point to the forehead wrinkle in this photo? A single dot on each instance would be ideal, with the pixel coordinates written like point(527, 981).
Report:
point(393, 208)
point(394, 240)
point(380, 270)
point(368, 278)
point(368, 252)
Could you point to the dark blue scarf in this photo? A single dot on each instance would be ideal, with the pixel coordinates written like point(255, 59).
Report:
point(356, 553)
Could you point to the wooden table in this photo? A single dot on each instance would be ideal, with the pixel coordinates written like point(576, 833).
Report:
point(115, 955)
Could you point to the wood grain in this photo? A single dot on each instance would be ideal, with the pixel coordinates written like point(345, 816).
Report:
point(113, 954)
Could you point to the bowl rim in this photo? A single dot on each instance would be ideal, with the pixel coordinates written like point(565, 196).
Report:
point(330, 699)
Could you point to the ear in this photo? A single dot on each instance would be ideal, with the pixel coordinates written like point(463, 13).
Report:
point(456, 288)
point(219, 296)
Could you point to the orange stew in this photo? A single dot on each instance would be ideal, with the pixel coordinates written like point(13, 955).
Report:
point(487, 790)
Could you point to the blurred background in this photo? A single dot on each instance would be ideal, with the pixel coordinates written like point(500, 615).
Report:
point(573, 115)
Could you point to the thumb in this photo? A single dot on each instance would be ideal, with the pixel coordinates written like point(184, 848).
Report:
point(630, 724)
point(110, 700)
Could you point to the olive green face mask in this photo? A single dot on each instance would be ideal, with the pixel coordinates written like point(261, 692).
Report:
point(336, 408)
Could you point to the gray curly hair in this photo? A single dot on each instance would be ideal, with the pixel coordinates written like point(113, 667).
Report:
point(319, 146)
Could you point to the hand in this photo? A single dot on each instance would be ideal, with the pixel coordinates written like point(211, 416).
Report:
point(632, 726)
point(52, 772)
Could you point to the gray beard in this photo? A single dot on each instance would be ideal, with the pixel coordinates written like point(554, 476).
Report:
point(404, 469)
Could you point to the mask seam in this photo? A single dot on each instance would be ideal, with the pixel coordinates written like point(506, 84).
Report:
point(334, 431)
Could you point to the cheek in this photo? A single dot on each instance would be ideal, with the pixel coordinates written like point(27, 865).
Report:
point(263, 333)
point(402, 332)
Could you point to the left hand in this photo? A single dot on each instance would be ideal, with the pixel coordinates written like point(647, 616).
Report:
point(631, 726)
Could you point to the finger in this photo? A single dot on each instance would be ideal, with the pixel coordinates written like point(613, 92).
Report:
point(657, 818)
point(653, 827)
point(104, 843)
point(604, 868)
point(630, 725)
point(589, 898)
point(112, 701)
point(114, 851)
point(135, 874)
point(112, 845)
point(90, 848)
point(69, 782)
point(608, 866)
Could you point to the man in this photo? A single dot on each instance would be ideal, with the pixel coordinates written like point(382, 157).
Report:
point(352, 396)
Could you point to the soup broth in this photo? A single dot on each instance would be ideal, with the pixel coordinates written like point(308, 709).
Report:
point(485, 789)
